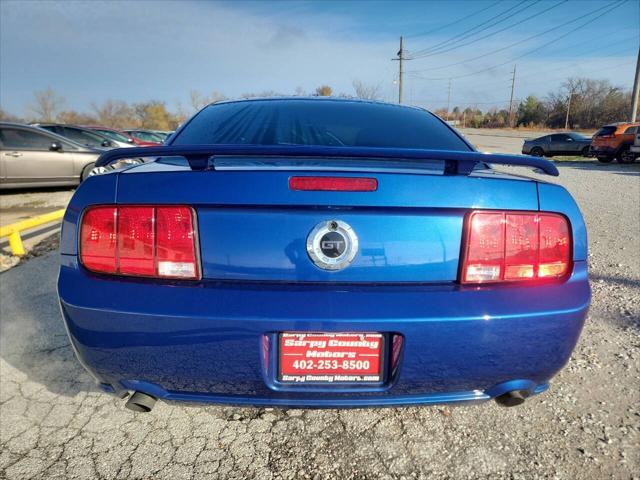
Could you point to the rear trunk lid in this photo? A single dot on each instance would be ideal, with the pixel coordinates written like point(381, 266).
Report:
point(253, 227)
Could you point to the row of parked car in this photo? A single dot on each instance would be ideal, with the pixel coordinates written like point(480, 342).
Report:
point(612, 142)
point(105, 137)
point(51, 154)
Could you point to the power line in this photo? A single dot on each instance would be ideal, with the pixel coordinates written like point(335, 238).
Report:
point(455, 22)
point(495, 33)
point(466, 32)
point(535, 49)
point(516, 43)
point(565, 75)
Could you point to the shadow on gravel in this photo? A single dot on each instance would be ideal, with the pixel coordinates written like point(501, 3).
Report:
point(617, 168)
point(623, 316)
point(626, 282)
point(33, 338)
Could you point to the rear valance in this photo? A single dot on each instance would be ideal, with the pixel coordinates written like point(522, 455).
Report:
point(456, 162)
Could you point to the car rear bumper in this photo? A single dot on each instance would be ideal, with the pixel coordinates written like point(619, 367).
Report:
point(602, 150)
point(215, 342)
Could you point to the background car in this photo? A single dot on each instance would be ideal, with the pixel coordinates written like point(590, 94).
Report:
point(558, 144)
point(631, 155)
point(83, 136)
point(123, 138)
point(613, 141)
point(147, 136)
point(163, 134)
point(32, 157)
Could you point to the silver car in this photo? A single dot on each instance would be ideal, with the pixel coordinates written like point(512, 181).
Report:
point(32, 157)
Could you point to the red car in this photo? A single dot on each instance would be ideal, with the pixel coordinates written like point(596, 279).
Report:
point(120, 136)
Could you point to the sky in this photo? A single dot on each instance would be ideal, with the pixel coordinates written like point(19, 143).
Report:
point(89, 52)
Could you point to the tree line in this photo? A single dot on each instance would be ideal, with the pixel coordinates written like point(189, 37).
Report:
point(48, 106)
point(591, 104)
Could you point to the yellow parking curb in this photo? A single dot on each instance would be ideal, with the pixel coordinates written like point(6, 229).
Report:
point(12, 231)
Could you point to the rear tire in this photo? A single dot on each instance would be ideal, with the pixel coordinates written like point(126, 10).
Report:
point(537, 152)
point(86, 171)
point(605, 159)
point(626, 156)
point(586, 152)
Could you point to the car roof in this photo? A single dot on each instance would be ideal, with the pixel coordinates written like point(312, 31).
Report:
point(622, 124)
point(24, 126)
point(100, 127)
point(317, 99)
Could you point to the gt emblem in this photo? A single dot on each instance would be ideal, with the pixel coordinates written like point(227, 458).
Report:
point(332, 245)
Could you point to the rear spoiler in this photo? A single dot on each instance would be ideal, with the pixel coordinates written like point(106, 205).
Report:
point(456, 163)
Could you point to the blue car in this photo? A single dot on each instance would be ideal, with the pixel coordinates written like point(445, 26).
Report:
point(322, 253)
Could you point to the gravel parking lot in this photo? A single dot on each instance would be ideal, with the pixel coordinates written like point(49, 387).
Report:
point(55, 424)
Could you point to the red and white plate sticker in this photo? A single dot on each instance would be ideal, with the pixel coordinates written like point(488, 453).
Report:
point(331, 357)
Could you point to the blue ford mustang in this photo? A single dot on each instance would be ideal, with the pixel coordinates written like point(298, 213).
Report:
point(321, 253)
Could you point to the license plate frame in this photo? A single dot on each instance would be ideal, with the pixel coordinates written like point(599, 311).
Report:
point(316, 375)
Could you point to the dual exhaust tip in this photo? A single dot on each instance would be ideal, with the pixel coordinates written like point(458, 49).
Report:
point(142, 403)
point(512, 398)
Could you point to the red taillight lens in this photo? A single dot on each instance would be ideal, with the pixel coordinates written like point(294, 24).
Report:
point(555, 246)
point(149, 241)
point(334, 184)
point(98, 239)
point(136, 241)
point(515, 246)
point(176, 254)
point(485, 254)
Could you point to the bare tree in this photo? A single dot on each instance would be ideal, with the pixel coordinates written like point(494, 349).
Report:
point(115, 113)
point(367, 91)
point(324, 91)
point(199, 101)
point(47, 105)
point(263, 94)
point(7, 117)
point(76, 118)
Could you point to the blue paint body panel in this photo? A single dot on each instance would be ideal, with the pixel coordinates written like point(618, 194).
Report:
point(215, 339)
point(204, 341)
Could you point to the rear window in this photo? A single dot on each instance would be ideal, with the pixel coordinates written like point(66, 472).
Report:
point(605, 131)
point(319, 122)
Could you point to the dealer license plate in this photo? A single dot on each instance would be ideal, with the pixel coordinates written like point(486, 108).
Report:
point(331, 357)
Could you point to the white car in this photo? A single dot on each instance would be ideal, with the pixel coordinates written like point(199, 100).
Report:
point(634, 150)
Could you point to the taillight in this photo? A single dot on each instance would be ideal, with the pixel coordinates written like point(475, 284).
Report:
point(334, 184)
point(515, 246)
point(147, 241)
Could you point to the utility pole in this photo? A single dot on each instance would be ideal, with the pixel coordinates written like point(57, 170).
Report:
point(513, 86)
point(566, 120)
point(636, 88)
point(400, 59)
point(449, 99)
